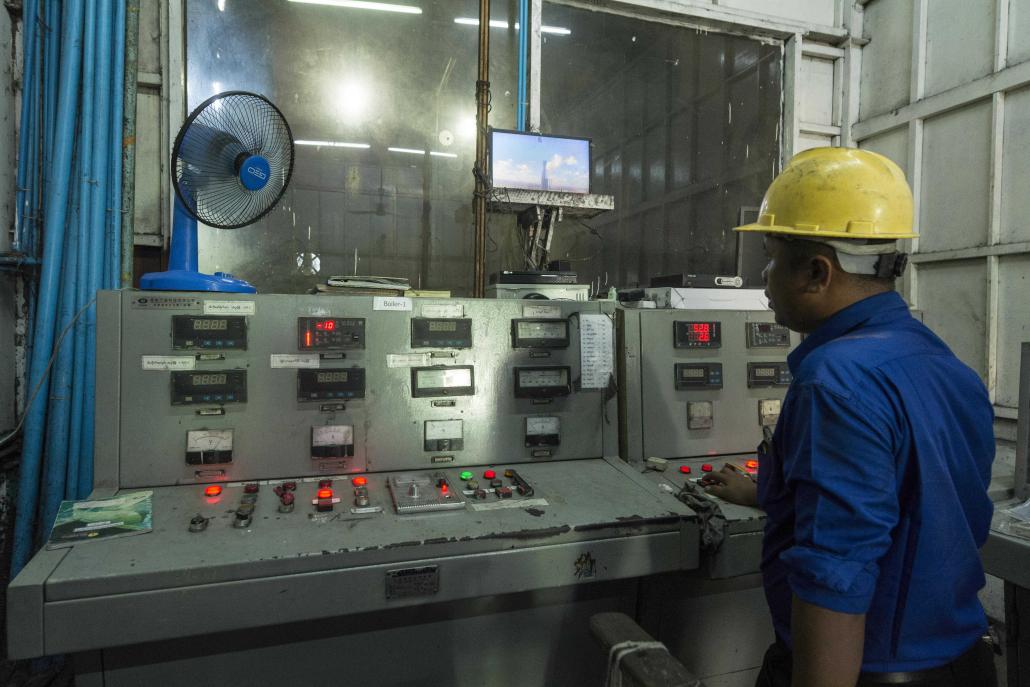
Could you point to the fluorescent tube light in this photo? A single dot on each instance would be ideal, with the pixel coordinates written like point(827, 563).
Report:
point(433, 152)
point(498, 24)
point(410, 151)
point(363, 5)
point(332, 144)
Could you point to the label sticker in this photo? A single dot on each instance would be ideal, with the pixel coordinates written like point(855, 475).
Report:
point(166, 302)
point(596, 350)
point(317, 311)
point(407, 360)
point(280, 360)
point(538, 311)
point(229, 307)
point(169, 362)
point(508, 503)
point(391, 303)
point(443, 310)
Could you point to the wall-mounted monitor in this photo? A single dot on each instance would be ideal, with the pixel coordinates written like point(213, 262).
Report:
point(522, 159)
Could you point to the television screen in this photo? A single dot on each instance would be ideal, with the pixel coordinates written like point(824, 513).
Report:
point(540, 163)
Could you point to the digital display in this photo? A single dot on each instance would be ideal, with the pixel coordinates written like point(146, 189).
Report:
point(331, 377)
point(444, 379)
point(768, 374)
point(764, 372)
point(693, 373)
point(700, 331)
point(330, 333)
point(694, 376)
point(443, 326)
point(767, 335)
point(543, 378)
point(697, 335)
point(208, 379)
point(430, 332)
point(520, 159)
point(191, 332)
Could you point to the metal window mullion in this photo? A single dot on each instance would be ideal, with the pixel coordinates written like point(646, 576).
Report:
point(852, 19)
point(173, 74)
point(536, 10)
point(791, 86)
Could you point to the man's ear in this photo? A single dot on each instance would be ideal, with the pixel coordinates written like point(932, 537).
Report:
point(820, 274)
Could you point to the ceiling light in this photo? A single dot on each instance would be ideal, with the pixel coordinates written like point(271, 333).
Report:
point(332, 144)
point(433, 152)
point(410, 151)
point(362, 5)
point(497, 24)
point(558, 30)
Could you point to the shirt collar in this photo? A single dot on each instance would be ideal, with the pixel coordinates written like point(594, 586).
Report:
point(883, 308)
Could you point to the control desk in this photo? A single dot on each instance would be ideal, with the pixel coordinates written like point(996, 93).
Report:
point(317, 458)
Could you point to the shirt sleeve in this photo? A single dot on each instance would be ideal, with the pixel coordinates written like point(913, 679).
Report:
point(840, 467)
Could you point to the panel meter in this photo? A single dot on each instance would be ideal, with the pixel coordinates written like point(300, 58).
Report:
point(697, 335)
point(205, 331)
point(432, 332)
point(543, 382)
point(768, 374)
point(319, 385)
point(767, 335)
point(443, 435)
point(543, 431)
point(454, 380)
point(216, 386)
point(698, 376)
point(540, 333)
point(208, 446)
point(332, 441)
point(330, 333)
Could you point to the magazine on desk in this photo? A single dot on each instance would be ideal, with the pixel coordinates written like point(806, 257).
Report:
point(96, 519)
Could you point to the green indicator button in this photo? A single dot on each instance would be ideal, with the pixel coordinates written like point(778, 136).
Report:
point(466, 475)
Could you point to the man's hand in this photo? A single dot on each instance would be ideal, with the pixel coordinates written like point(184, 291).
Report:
point(731, 485)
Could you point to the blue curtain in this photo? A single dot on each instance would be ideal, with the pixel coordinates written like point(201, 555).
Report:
point(69, 218)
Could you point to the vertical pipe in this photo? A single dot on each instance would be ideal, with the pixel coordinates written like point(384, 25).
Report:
point(50, 277)
point(97, 253)
point(75, 446)
point(30, 27)
point(482, 107)
point(128, 199)
point(114, 196)
point(61, 382)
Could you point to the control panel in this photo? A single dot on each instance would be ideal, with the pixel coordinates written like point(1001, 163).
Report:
point(699, 382)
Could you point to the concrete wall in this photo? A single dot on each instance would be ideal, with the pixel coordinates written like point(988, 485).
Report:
point(8, 173)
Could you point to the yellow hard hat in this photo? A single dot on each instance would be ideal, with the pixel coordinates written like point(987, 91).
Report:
point(838, 193)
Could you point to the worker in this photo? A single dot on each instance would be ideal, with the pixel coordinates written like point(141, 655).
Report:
point(875, 479)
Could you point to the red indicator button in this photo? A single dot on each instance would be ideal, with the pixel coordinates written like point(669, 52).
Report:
point(213, 490)
point(325, 493)
point(685, 469)
point(751, 464)
point(360, 481)
point(707, 467)
point(489, 474)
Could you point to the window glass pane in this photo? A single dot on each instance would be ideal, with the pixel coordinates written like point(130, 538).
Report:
point(685, 130)
point(380, 79)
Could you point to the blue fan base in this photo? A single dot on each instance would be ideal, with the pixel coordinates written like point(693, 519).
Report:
point(185, 280)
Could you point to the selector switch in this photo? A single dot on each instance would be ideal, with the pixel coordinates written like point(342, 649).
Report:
point(286, 502)
point(251, 488)
point(496, 483)
point(198, 523)
point(413, 490)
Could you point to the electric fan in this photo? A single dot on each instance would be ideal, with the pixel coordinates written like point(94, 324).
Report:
point(231, 163)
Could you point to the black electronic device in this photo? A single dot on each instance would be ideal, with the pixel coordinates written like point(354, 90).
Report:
point(698, 376)
point(697, 334)
point(767, 335)
point(543, 382)
point(532, 277)
point(330, 383)
point(512, 151)
point(209, 386)
point(698, 281)
point(539, 333)
point(220, 332)
point(433, 332)
point(761, 375)
point(443, 380)
point(330, 333)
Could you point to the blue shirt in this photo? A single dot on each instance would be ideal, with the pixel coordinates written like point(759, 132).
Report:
point(876, 486)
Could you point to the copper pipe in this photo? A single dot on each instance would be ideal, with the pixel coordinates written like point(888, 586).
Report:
point(482, 112)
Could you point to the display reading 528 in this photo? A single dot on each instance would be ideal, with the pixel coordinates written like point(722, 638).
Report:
point(697, 335)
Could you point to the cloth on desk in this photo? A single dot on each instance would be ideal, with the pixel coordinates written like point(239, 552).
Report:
point(710, 517)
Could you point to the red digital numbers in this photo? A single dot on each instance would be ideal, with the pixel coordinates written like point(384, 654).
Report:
point(701, 331)
point(326, 326)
